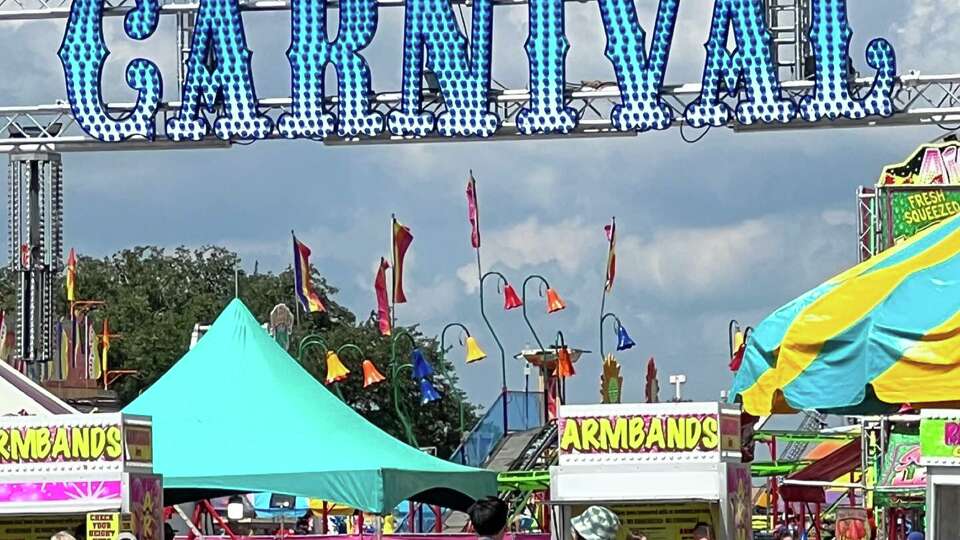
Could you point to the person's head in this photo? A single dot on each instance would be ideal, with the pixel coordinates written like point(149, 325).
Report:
point(701, 531)
point(62, 535)
point(596, 523)
point(915, 535)
point(168, 532)
point(488, 516)
point(786, 536)
point(80, 533)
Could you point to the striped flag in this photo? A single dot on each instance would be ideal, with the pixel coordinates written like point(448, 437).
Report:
point(473, 212)
point(402, 238)
point(301, 271)
point(611, 231)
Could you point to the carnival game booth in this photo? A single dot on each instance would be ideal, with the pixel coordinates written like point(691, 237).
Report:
point(61, 472)
point(238, 415)
point(663, 468)
point(940, 454)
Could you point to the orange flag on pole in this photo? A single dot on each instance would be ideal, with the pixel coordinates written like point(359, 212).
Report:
point(383, 303)
point(402, 238)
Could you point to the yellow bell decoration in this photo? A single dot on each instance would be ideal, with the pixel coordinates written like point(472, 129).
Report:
point(737, 341)
point(336, 371)
point(474, 352)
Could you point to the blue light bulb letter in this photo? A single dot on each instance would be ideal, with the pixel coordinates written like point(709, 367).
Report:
point(830, 38)
point(750, 63)
point(219, 75)
point(639, 75)
point(309, 54)
point(83, 53)
point(431, 33)
point(547, 47)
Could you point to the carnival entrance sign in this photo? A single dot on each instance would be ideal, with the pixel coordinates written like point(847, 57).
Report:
point(790, 68)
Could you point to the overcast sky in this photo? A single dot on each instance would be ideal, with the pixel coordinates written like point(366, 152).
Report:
point(730, 227)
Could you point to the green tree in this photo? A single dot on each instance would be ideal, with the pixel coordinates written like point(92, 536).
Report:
point(154, 297)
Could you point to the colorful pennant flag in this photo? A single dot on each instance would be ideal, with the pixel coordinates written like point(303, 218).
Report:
point(611, 231)
point(652, 389)
point(402, 238)
point(64, 351)
point(105, 340)
point(472, 212)
point(383, 303)
point(307, 297)
point(71, 276)
point(3, 336)
point(94, 361)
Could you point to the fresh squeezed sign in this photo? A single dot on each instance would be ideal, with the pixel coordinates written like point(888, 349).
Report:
point(219, 76)
point(915, 210)
point(596, 433)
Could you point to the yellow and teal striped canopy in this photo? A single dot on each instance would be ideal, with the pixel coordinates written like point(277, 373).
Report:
point(884, 333)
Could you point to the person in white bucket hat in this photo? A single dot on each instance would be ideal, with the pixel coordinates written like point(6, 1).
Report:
point(596, 523)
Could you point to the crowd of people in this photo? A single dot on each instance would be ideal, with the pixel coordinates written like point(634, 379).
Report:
point(489, 519)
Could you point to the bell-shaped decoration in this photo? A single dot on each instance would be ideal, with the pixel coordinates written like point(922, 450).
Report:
point(623, 339)
point(554, 302)
point(336, 371)
point(510, 298)
point(474, 352)
point(371, 375)
point(427, 392)
point(564, 364)
point(737, 340)
point(421, 368)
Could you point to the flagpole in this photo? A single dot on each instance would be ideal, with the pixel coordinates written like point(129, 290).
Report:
point(606, 276)
point(296, 301)
point(483, 313)
point(393, 272)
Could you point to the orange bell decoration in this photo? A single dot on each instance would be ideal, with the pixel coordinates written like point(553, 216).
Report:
point(564, 364)
point(371, 375)
point(474, 352)
point(336, 371)
point(554, 302)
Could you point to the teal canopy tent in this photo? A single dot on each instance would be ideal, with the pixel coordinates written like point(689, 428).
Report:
point(237, 414)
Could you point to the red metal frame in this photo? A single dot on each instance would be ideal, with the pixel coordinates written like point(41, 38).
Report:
point(204, 507)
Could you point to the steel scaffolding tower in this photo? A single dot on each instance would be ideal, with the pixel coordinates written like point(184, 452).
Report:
point(35, 223)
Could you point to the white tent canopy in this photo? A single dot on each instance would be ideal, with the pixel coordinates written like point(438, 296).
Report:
point(20, 395)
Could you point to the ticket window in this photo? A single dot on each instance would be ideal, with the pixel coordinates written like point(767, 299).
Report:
point(947, 518)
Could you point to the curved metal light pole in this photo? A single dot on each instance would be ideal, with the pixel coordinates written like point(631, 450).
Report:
point(443, 367)
point(394, 381)
point(523, 294)
point(503, 355)
point(606, 316)
point(732, 329)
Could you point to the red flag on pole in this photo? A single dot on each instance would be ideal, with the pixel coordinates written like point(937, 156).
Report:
point(472, 212)
point(401, 242)
point(383, 303)
point(611, 231)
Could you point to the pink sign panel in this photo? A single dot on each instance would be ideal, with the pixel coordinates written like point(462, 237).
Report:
point(84, 494)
